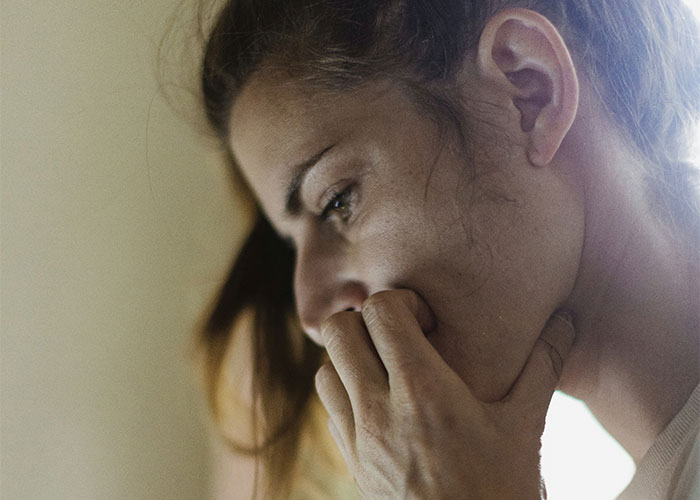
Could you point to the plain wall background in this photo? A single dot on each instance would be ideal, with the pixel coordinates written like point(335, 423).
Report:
point(116, 225)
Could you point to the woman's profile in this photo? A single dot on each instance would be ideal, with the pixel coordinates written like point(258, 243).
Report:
point(461, 206)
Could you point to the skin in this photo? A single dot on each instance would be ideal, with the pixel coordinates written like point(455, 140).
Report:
point(547, 213)
point(455, 242)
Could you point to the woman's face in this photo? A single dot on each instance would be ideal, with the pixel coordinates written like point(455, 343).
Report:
point(374, 198)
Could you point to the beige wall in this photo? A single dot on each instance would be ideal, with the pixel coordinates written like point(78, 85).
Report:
point(116, 223)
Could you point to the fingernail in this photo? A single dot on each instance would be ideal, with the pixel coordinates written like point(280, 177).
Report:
point(559, 334)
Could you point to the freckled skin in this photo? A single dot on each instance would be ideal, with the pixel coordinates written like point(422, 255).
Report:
point(492, 257)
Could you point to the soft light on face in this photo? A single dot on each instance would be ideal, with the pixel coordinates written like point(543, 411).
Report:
point(379, 200)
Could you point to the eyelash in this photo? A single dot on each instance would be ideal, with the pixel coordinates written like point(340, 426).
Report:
point(340, 203)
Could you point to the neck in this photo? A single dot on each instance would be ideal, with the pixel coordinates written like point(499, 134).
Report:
point(636, 303)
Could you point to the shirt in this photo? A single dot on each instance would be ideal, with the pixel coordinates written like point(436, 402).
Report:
point(670, 470)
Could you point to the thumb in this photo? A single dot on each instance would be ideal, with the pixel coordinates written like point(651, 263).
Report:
point(533, 390)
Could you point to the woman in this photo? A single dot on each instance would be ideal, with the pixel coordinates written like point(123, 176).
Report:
point(444, 189)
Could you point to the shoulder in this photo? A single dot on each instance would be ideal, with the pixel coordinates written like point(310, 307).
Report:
point(687, 483)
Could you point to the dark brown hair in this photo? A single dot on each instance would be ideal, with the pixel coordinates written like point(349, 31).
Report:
point(642, 57)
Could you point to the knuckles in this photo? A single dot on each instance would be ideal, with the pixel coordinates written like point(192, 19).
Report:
point(374, 305)
point(378, 306)
point(382, 304)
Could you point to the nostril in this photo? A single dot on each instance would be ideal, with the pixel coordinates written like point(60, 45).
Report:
point(350, 309)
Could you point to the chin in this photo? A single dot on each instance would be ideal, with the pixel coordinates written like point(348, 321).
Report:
point(487, 382)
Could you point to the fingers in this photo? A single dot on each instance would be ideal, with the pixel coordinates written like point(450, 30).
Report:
point(336, 401)
point(353, 376)
point(559, 336)
point(533, 390)
point(396, 321)
point(351, 351)
point(340, 441)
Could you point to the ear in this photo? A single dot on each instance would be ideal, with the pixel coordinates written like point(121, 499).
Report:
point(522, 53)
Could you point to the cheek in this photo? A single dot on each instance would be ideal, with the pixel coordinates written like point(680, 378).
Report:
point(484, 334)
point(492, 276)
point(506, 277)
point(487, 340)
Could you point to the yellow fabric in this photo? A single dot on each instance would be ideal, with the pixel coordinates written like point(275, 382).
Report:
point(320, 473)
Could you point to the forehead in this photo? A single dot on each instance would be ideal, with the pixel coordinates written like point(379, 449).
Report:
point(269, 121)
point(278, 122)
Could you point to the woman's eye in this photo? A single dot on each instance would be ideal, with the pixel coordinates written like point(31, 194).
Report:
point(340, 205)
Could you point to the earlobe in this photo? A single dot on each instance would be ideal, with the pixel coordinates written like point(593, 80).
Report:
point(522, 53)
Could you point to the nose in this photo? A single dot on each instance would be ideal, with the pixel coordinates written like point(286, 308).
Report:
point(318, 302)
point(324, 284)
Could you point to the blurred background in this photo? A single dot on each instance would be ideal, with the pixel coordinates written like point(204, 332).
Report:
point(117, 224)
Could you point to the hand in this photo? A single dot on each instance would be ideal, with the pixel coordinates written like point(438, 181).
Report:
point(408, 427)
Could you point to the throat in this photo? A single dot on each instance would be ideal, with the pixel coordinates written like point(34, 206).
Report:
point(636, 360)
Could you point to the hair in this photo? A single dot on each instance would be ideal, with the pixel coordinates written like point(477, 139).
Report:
point(642, 58)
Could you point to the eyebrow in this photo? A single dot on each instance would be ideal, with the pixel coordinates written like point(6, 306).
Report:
point(292, 201)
